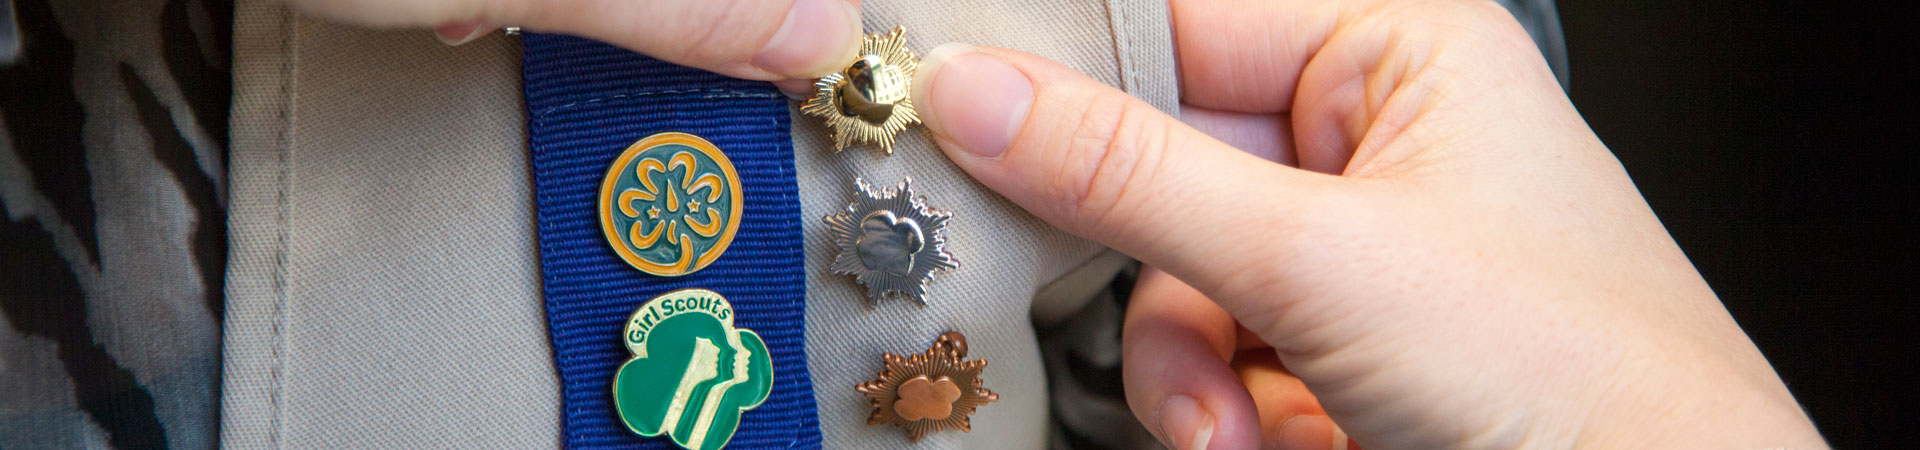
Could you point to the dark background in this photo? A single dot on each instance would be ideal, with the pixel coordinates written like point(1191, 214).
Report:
point(1777, 142)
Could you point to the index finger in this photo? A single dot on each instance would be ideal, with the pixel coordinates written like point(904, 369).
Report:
point(751, 39)
point(1247, 56)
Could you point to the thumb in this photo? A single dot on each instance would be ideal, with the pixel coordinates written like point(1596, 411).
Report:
point(1103, 165)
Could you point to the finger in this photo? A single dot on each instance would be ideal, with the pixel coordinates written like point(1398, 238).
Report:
point(1246, 56)
point(457, 33)
point(761, 40)
point(1098, 163)
point(1176, 345)
point(1351, 75)
point(1247, 339)
point(1268, 136)
point(1290, 416)
point(797, 89)
point(1251, 57)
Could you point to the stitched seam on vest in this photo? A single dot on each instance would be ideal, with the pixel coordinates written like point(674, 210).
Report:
point(703, 93)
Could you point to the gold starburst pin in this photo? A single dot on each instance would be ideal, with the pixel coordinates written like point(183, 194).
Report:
point(869, 101)
point(929, 392)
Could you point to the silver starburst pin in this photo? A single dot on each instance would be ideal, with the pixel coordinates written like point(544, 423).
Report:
point(891, 241)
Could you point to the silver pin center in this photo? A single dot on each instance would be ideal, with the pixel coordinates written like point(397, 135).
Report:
point(890, 241)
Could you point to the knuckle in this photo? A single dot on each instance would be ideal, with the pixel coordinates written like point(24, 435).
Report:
point(1465, 20)
point(1491, 22)
point(1483, 12)
point(1115, 153)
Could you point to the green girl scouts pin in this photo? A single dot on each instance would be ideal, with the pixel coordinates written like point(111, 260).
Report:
point(670, 204)
point(692, 373)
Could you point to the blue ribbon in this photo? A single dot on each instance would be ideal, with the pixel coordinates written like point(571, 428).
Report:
point(586, 102)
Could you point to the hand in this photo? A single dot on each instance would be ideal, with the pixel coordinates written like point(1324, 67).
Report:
point(1457, 261)
point(760, 40)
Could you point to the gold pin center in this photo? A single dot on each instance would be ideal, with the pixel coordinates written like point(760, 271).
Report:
point(871, 89)
point(868, 101)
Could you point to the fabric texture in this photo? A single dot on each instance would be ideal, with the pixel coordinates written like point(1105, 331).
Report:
point(586, 103)
point(1005, 254)
point(1082, 353)
point(382, 288)
point(383, 291)
point(9, 34)
point(113, 120)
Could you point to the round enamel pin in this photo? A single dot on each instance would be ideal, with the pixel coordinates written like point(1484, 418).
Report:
point(692, 373)
point(869, 101)
point(890, 241)
point(670, 204)
point(928, 392)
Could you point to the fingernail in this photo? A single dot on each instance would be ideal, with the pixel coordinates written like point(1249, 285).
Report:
point(797, 89)
point(458, 33)
point(817, 38)
point(1311, 432)
point(972, 99)
point(1185, 423)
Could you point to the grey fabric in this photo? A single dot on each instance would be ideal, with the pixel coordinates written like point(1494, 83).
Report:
point(1061, 300)
point(384, 290)
point(9, 34)
point(1143, 46)
point(1083, 351)
point(1005, 254)
point(110, 247)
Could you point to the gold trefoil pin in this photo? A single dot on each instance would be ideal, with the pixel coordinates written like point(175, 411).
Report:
point(869, 102)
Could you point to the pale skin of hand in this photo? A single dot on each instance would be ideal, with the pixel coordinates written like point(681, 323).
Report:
point(772, 40)
point(1456, 262)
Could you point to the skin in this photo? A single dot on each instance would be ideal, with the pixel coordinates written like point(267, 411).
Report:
point(1381, 214)
point(771, 40)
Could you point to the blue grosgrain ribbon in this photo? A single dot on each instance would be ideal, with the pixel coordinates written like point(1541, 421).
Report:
point(586, 102)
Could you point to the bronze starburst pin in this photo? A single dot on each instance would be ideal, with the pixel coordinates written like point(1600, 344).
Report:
point(927, 392)
point(868, 101)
